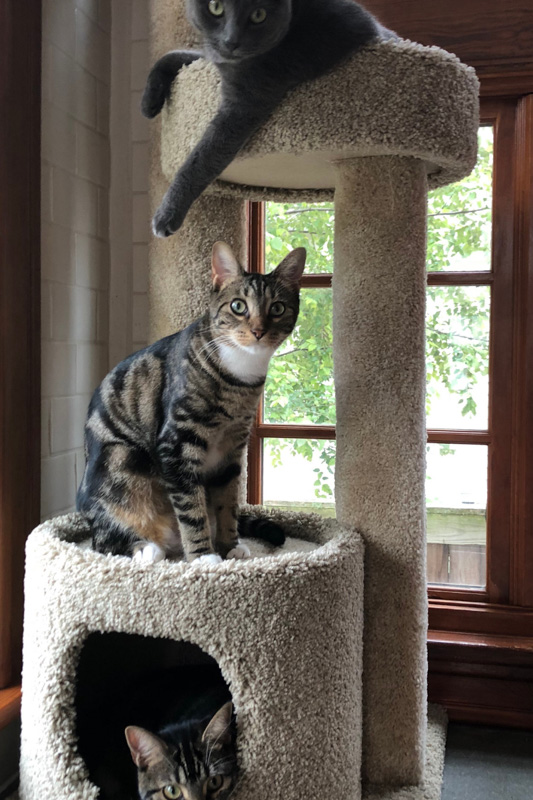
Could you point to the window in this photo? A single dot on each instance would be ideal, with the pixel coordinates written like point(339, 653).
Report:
point(473, 354)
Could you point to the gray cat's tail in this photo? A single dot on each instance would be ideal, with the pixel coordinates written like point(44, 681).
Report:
point(261, 528)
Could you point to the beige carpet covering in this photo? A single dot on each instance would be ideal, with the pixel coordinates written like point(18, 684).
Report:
point(430, 786)
point(285, 629)
point(392, 98)
point(378, 349)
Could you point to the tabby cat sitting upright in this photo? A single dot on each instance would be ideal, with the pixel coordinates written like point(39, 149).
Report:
point(166, 429)
point(262, 49)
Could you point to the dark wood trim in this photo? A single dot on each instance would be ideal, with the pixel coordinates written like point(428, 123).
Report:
point(522, 536)
point(438, 436)
point(456, 594)
point(510, 81)
point(494, 37)
point(267, 430)
point(256, 237)
point(482, 679)
point(481, 618)
point(318, 281)
point(9, 705)
point(256, 263)
point(501, 354)
point(20, 169)
point(460, 278)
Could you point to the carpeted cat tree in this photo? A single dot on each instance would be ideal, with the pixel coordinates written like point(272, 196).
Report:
point(319, 714)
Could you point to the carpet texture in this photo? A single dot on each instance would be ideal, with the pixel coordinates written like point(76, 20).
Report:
point(379, 369)
point(285, 630)
point(393, 97)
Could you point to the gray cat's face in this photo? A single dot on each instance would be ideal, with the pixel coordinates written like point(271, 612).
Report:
point(238, 29)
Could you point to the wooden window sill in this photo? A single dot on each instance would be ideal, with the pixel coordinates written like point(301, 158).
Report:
point(9, 705)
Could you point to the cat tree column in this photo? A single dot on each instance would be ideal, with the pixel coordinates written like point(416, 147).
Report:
point(395, 119)
point(378, 333)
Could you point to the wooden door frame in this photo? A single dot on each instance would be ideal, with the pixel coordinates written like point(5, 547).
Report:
point(20, 351)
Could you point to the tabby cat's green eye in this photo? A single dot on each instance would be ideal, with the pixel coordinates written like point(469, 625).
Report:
point(216, 8)
point(277, 309)
point(215, 782)
point(258, 16)
point(172, 792)
point(238, 307)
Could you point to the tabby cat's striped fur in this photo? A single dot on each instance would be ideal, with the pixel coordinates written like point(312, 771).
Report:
point(188, 761)
point(167, 428)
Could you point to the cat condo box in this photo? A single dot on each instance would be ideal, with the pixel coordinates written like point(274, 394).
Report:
point(284, 627)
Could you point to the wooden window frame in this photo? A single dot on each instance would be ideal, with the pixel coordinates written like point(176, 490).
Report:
point(20, 348)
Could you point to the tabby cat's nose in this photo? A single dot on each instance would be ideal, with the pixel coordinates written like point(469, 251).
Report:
point(258, 333)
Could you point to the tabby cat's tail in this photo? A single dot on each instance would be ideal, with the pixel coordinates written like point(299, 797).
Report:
point(261, 528)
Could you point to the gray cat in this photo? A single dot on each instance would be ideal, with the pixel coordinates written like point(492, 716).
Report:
point(263, 49)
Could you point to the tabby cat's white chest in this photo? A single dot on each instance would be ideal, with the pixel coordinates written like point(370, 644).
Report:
point(247, 364)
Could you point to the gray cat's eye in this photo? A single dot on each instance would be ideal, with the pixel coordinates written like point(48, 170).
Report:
point(277, 309)
point(172, 792)
point(258, 16)
point(216, 8)
point(238, 307)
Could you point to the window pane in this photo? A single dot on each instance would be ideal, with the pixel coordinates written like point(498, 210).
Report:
point(299, 387)
point(456, 500)
point(460, 217)
point(298, 474)
point(457, 356)
point(309, 225)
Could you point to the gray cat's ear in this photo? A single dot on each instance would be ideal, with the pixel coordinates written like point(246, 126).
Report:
point(145, 748)
point(224, 265)
point(218, 731)
point(290, 270)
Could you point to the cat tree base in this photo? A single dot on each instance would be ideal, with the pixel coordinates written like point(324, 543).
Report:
point(285, 630)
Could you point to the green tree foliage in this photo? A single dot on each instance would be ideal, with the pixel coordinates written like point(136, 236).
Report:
point(300, 386)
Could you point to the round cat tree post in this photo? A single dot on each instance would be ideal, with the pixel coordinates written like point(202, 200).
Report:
point(378, 329)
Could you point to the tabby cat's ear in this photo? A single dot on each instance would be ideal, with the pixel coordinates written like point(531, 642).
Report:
point(145, 748)
point(224, 265)
point(218, 731)
point(290, 270)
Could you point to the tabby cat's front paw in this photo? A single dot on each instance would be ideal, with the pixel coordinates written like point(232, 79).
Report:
point(210, 558)
point(239, 551)
point(149, 553)
point(167, 220)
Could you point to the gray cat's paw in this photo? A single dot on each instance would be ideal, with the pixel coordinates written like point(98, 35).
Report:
point(167, 220)
point(156, 93)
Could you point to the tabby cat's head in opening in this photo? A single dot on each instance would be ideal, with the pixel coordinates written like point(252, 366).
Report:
point(238, 29)
point(192, 761)
point(252, 313)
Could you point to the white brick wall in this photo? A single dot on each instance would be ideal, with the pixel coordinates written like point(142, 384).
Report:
point(140, 64)
point(94, 205)
point(75, 233)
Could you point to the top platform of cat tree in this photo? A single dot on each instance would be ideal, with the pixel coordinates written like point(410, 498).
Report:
point(392, 98)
